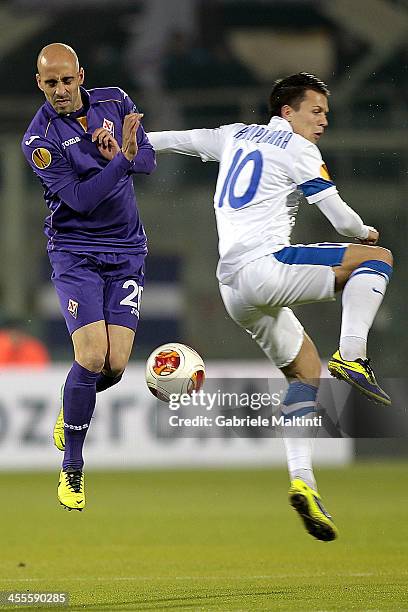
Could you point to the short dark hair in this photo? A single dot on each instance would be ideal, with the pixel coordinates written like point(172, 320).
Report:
point(292, 91)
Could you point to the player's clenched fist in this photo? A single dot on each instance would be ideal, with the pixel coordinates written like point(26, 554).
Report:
point(130, 127)
point(106, 143)
point(372, 238)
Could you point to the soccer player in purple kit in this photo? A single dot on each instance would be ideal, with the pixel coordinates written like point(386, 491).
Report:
point(85, 146)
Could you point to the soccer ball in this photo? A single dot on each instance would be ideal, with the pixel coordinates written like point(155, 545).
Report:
point(174, 368)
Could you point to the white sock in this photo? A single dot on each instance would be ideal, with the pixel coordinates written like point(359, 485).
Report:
point(362, 297)
point(299, 458)
point(300, 400)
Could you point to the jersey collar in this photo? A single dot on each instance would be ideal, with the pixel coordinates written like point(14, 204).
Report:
point(278, 123)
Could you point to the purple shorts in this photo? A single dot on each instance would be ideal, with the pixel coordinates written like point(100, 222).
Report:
point(98, 286)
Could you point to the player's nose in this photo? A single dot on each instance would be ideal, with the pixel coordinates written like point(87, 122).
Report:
point(60, 89)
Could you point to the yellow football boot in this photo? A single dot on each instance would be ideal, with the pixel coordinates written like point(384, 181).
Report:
point(58, 433)
point(308, 504)
point(71, 489)
point(360, 375)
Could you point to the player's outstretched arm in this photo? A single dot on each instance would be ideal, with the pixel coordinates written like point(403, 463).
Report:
point(204, 143)
point(174, 142)
point(346, 221)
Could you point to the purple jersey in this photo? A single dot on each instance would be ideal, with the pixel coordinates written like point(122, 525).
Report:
point(92, 200)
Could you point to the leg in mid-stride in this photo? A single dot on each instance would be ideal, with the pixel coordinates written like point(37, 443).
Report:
point(257, 299)
point(300, 400)
point(282, 338)
point(101, 355)
point(100, 299)
point(363, 275)
point(120, 342)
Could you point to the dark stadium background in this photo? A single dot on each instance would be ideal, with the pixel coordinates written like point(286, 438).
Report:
point(211, 538)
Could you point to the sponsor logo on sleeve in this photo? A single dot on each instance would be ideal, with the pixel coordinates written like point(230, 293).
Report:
point(41, 158)
point(30, 140)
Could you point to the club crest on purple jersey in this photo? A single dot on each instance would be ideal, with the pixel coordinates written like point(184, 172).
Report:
point(109, 125)
point(73, 308)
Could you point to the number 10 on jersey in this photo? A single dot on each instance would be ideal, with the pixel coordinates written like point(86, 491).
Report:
point(233, 175)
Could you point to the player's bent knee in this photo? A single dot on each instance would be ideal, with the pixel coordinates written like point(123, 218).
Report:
point(357, 255)
point(114, 372)
point(385, 255)
point(91, 361)
point(308, 373)
point(116, 365)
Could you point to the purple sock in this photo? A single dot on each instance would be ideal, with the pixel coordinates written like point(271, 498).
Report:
point(104, 382)
point(79, 404)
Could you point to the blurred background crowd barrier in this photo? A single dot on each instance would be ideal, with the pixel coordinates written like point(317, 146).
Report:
point(131, 429)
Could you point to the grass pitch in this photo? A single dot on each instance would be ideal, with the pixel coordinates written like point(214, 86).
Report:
point(208, 540)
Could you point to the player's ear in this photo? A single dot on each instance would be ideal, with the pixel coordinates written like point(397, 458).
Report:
point(81, 75)
point(286, 112)
point(38, 78)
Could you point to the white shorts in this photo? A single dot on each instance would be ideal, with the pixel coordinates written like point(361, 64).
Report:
point(258, 296)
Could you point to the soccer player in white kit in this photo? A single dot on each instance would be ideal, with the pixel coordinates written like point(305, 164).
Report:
point(263, 171)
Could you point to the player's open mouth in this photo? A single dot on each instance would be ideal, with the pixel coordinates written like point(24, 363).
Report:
point(61, 102)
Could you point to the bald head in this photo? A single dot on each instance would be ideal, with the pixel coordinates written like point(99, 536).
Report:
point(59, 76)
point(56, 53)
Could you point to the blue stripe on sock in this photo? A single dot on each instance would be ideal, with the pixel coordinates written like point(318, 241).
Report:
point(357, 271)
point(298, 413)
point(378, 266)
point(300, 392)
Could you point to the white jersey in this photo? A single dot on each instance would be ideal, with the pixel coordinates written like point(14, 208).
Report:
point(263, 171)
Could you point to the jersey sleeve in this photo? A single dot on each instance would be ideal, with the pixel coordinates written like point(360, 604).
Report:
point(312, 176)
point(128, 105)
point(48, 163)
point(204, 143)
point(58, 176)
point(145, 160)
point(344, 219)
